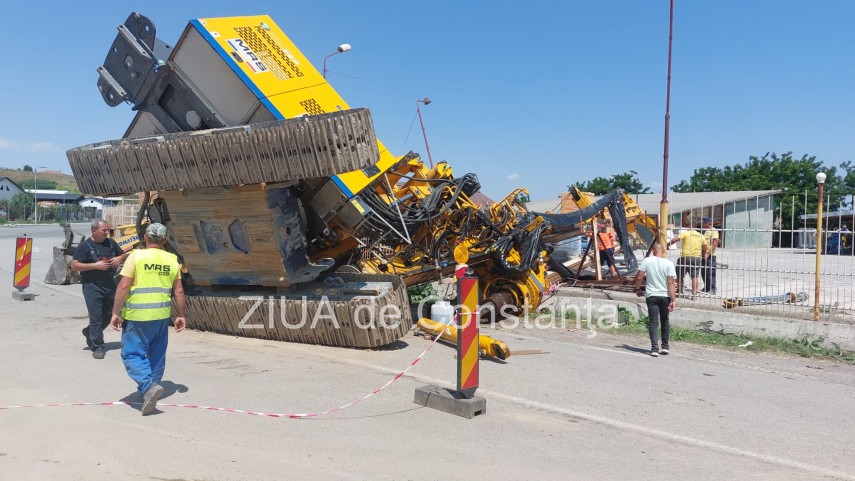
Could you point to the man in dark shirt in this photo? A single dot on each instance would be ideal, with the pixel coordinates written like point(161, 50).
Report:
point(97, 259)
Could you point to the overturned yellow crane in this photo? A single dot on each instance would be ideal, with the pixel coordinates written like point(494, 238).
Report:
point(292, 220)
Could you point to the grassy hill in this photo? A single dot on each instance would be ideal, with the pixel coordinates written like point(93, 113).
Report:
point(63, 181)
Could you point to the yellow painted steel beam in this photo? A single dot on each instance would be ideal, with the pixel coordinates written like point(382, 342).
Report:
point(487, 345)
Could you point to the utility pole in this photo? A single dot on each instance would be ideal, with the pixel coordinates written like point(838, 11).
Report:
point(663, 205)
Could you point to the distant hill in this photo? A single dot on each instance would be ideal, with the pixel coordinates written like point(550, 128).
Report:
point(63, 181)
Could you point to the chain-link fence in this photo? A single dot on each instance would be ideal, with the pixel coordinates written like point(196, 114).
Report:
point(15, 212)
point(767, 260)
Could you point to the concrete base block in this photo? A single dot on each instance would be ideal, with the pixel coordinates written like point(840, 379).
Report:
point(22, 296)
point(450, 401)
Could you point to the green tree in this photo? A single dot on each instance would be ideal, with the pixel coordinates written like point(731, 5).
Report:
point(847, 170)
point(28, 168)
point(773, 172)
point(628, 182)
point(20, 206)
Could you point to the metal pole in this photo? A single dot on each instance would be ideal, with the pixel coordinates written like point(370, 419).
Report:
point(35, 198)
point(663, 205)
point(793, 222)
point(595, 238)
point(818, 253)
point(424, 133)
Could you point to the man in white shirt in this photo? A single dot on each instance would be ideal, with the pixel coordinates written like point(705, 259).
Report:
point(660, 277)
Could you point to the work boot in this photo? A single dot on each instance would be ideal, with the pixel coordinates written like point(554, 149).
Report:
point(88, 339)
point(98, 352)
point(150, 398)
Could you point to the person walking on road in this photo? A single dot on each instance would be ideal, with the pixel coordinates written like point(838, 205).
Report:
point(659, 291)
point(712, 238)
point(97, 259)
point(693, 249)
point(142, 309)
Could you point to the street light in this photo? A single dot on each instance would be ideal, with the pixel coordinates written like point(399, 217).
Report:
point(425, 101)
point(341, 49)
point(820, 180)
point(36, 195)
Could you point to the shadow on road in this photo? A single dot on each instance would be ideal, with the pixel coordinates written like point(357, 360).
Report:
point(135, 399)
point(109, 346)
point(395, 346)
point(170, 388)
point(633, 348)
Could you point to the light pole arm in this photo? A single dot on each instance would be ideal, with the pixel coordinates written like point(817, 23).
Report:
point(424, 133)
point(325, 62)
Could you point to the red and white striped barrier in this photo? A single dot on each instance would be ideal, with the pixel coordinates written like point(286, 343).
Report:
point(241, 411)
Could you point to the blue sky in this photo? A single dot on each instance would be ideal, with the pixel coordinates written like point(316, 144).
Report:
point(525, 94)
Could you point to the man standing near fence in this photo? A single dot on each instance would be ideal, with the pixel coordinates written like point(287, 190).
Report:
point(711, 236)
point(660, 295)
point(693, 247)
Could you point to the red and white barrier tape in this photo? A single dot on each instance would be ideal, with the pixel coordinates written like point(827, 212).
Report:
point(240, 411)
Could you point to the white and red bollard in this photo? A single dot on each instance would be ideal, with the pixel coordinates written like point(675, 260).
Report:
point(21, 277)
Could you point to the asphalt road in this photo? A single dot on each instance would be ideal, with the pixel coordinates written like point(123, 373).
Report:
point(585, 408)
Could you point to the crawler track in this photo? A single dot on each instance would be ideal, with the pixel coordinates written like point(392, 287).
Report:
point(357, 312)
point(294, 149)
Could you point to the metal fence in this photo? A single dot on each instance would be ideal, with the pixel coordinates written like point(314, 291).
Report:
point(46, 213)
point(767, 262)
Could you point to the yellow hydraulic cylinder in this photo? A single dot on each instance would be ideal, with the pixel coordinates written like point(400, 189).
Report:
point(488, 346)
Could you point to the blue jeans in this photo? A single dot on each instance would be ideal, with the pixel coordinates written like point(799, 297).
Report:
point(607, 257)
point(144, 351)
point(657, 310)
point(99, 304)
point(709, 274)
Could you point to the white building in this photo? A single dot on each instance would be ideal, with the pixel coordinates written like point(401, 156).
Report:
point(745, 218)
point(99, 203)
point(8, 188)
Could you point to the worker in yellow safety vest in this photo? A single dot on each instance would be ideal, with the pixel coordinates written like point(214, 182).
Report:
point(143, 306)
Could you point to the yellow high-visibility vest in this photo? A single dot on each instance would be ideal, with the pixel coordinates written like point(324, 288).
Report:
point(151, 293)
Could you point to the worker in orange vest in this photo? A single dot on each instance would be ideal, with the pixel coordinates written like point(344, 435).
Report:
point(606, 239)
